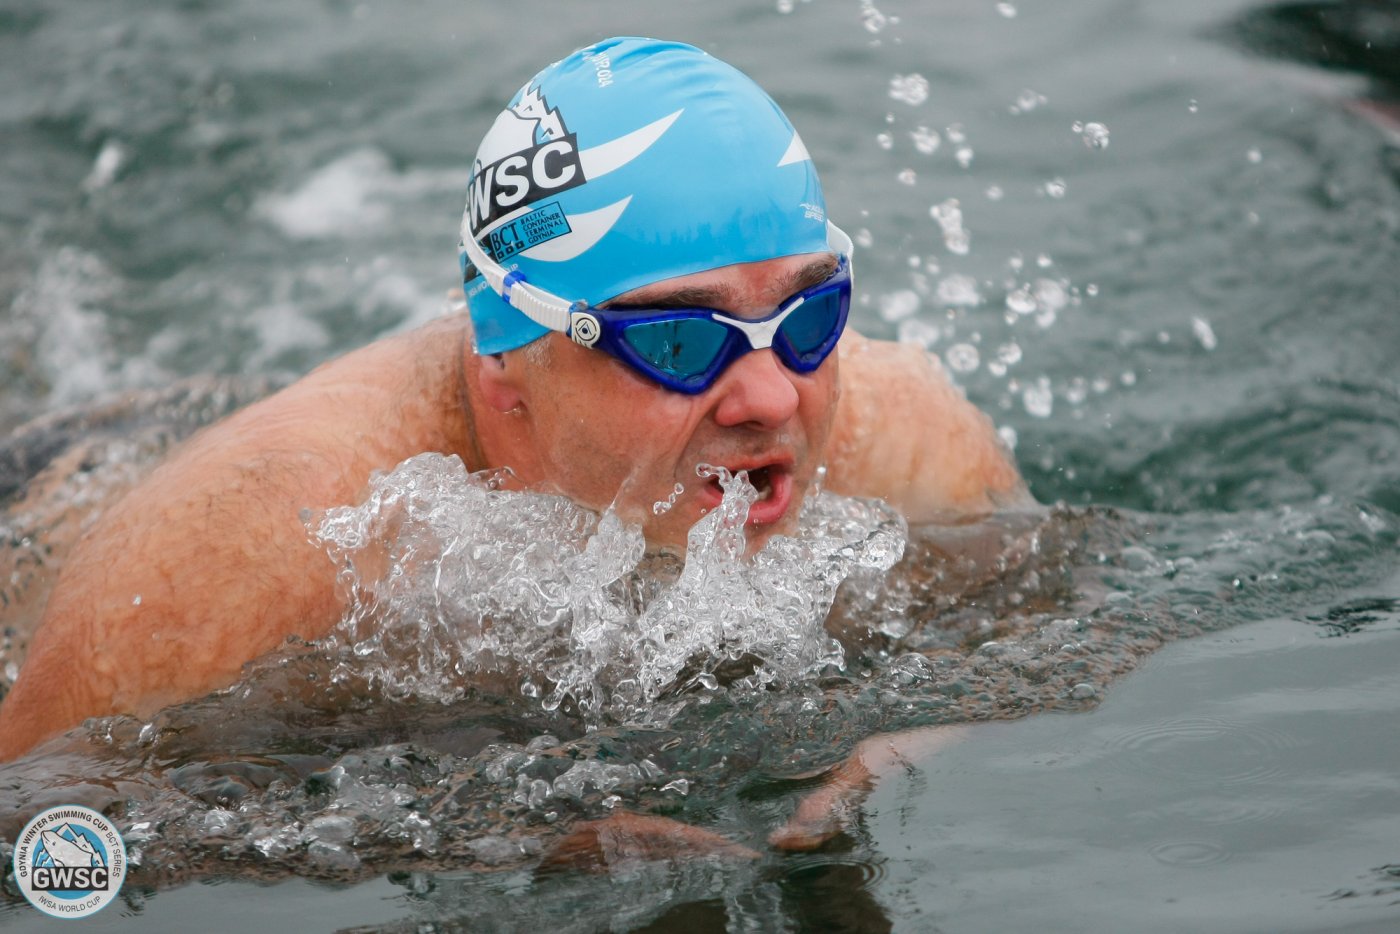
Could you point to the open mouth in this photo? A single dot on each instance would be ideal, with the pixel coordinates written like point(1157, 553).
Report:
point(772, 481)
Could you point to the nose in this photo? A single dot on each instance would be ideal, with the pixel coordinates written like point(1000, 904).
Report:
point(757, 391)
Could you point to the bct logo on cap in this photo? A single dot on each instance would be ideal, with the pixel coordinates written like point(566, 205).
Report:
point(70, 861)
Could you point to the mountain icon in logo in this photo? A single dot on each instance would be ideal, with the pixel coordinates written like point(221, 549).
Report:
point(529, 155)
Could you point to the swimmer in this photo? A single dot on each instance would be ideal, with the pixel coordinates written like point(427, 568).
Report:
point(651, 283)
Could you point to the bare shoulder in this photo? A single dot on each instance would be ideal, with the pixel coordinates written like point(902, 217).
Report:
point(906, 434)
point(208, 563)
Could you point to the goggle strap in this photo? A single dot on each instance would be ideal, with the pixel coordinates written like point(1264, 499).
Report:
point(552, 312)
point(534, 303)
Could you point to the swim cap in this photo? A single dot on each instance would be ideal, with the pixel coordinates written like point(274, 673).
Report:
point(628, 162)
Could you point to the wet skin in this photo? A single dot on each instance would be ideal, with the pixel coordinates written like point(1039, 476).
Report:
point(207, 564)
point(599, 432)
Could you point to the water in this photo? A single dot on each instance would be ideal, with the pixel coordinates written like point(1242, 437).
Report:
point(1180, 680)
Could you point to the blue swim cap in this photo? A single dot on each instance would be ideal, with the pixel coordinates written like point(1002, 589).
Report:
point(628, 162)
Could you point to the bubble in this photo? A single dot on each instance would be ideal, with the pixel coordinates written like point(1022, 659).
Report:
point(1078, 391)
point(864, 239)
point(896, 306)
point(907, 177)
point(926, 140)
point(959, 290)
point(962, 358)
point(1021, 301)
point(1091, 290)
point(948, 214)
point(1007, 10)
point(872, 19)
point(1055, 188)
point(884, 140)
point(1192, 106)
point(955, 134)
point(1028, 100)
point(1038, 399)
point(786, 6)
point(1095, 135)
point(1205, 334)
point(1128, 378)
point(919, 333)
point(1009, 354)
point(1007, 434)
point(964, 156)
point(1044, 261)
point(911, 89)
point(994, 193)
point(1254, 155)
point(1050, 294)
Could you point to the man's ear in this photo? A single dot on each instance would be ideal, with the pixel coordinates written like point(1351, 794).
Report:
point(500, 380)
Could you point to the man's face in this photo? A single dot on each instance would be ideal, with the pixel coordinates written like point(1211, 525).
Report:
point(606, 434)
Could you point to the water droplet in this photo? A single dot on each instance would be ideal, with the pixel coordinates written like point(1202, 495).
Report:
point(785, 6)
point(1044, 261)
point(919, 333)
point(872, 19)
point(907, 177)
point(994, 193)
point(1083, 692)
point(948, 214)
point(1254, 155)
point(959, 290)
point(1095, 135)
point(926, 140)
point(1050, 295)
point(1204, 332)
point(1055, 188)
point(1007, 10)
point(955, 134)
point(864, 239)
point(1128, 378)
point(1193, 106)
point(899, 305)
point(1038, 399)
point(910, 89)
point(884, 140)
point(136, 600)
point(1008, 436)
point(962, 358)
point(964, 156)
point(1091, 290)
point(1028, 100)
point(1021, 301)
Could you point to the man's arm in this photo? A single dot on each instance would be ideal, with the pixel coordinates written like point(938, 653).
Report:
point(207, 563)
point(906, 434)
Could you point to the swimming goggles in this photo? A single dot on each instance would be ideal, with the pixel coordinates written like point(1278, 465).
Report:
point(686, 349)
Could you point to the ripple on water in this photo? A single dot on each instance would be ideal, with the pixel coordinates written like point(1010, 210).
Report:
point(1202, 751)
point(1189, 853)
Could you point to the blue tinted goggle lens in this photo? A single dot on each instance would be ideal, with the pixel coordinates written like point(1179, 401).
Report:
point(683, 348)
point(687, 350)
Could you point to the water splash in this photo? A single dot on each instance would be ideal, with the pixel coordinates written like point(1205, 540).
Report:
point(451, 580)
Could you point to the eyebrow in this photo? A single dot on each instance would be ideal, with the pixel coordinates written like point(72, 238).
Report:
point(718, 296)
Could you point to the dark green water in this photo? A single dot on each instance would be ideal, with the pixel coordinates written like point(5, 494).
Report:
point(1210, 364)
